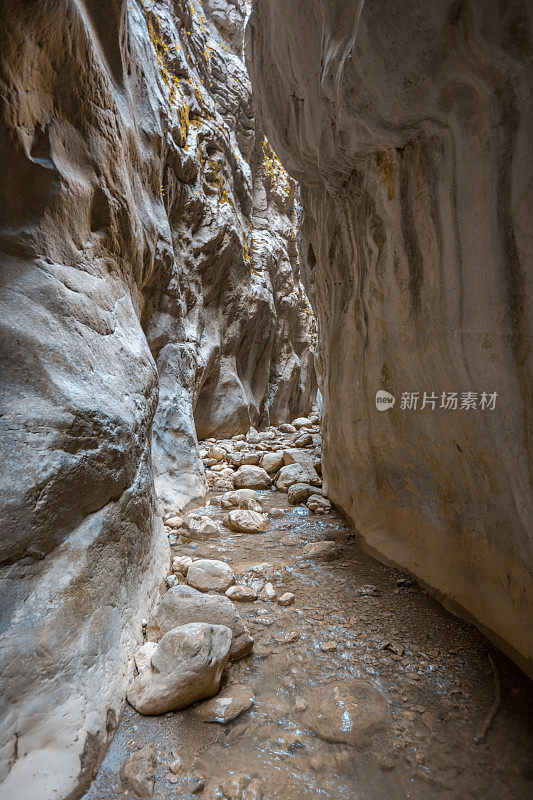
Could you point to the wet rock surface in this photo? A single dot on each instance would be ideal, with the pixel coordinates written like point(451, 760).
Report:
point(363, 686)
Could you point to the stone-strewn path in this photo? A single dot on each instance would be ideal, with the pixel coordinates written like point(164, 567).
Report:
point(359, 685)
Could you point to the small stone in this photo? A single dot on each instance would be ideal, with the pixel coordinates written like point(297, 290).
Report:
point(218, 453)
point(239, 498)
point(289, 637)
point(329, 646)
point(219, 482)
point(385, 762)
point(286, 599)
point(253, 791)
point(196, 784)
point(404, 582)
point(306, 440)
point(137, 773)
point(174, 522)
point(181, 564)
point(368, 590)
point(176, 766)
point(318, 504)
point(245, 521)
point(251, 458)
point(300, 704)
point(208, 574)
point(227, 705)
point(144, 655)
point(325, 549)
point(199, 525)
point(301, 422)
point(286, 427)
point(241, 592)
point(268, 593)
point(394, 647)
point(253, 436)
point(276, 513)
point(171, 580)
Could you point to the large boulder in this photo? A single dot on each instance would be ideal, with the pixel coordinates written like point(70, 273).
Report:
point(209, 574)
point(295, 473)
point(299, 492)
point(271, 462)
point(183, 604)
point(245, 521)
point(187, 666)
point(240, 498)
point(251, 477)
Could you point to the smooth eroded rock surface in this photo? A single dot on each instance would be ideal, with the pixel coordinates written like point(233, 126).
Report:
point(149, 286)
point(408, 126)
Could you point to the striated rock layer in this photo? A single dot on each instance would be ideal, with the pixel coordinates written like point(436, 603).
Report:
point(148, 247)
point(409, 127)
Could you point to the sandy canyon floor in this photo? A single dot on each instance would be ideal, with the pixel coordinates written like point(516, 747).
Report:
point(364, 688)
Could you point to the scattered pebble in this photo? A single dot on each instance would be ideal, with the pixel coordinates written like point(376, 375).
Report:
point(286, 599)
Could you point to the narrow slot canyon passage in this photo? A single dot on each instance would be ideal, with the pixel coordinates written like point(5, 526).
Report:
point(265, 400)
point(359, 684)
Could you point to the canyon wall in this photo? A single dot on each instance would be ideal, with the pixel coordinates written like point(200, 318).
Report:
point(409, 127)
point(149, 284)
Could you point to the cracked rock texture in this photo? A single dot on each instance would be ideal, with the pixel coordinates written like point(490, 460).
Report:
point(148, 247)
point(409, 127)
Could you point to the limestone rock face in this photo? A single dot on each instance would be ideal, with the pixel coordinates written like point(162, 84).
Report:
point(409, 127)
point(149, 260)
